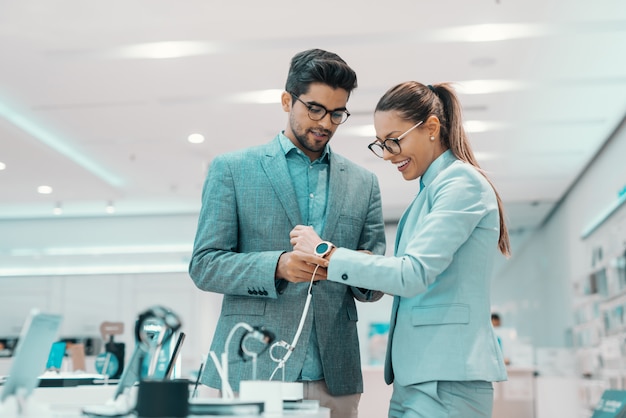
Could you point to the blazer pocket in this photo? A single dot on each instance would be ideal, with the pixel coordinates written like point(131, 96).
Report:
point(244, 307)
point(347, 231)
point(455, 313)
point(349, 221)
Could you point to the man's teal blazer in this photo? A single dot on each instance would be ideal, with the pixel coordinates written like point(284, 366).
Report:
point(249, 207)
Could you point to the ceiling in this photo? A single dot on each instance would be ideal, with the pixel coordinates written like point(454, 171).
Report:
point(97, 98)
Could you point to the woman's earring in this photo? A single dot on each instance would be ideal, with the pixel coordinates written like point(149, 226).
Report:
point(432, 138)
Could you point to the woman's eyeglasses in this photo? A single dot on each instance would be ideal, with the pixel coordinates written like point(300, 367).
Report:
point(390, 144)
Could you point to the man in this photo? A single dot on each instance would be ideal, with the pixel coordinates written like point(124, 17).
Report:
point(251, 200)
point(496, 322)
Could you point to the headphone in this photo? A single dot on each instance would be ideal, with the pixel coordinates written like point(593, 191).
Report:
point(170, 320)
point(259, 334)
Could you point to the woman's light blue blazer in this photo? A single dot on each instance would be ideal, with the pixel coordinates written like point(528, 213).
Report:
point(446, 244)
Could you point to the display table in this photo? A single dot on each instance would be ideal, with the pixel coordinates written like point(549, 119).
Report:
point(67, 402)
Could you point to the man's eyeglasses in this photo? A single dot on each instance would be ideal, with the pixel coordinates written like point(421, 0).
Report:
point(390, 144)
point(318, 112)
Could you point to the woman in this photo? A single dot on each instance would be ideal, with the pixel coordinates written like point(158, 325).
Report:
point(442, 353)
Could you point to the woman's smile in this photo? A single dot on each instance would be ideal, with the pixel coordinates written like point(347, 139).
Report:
point(401, 165)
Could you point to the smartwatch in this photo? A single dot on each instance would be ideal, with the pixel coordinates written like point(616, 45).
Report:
point(323, 248)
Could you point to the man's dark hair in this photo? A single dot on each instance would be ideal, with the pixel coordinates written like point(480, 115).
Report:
point(319, 66)
point(495, 316)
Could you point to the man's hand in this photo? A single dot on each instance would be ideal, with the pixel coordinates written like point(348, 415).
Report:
point(304, 238)
point(298, 267)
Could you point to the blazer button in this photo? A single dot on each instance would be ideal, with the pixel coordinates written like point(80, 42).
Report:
point(344, 276)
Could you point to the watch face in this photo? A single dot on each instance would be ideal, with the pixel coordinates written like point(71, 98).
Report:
point(321, 248)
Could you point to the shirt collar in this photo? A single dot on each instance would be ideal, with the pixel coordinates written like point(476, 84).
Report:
point(287, 147)
point(440, 163)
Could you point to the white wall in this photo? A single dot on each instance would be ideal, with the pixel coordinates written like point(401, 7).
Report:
point(93, 270)
point(534, 289)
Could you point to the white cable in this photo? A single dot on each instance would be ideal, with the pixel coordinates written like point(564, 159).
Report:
point(222, 368)
point(291, 347)
point(227, 391)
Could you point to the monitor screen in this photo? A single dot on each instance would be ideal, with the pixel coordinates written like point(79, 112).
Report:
point(31, 353)
point(55, 358)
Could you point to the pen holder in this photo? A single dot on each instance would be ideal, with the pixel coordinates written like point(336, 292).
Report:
point(163, 398)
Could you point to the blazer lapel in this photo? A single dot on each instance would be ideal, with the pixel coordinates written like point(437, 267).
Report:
point(403, 221)
point(336, 195)
point(274, 164)
point(401, 224)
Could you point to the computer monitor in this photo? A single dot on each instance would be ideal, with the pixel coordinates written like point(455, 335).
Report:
point(38, 334)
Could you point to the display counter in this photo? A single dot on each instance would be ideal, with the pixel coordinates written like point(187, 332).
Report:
point(68, 402)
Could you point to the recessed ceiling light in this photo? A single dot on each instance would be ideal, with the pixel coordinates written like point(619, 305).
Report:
point(116, 249)
point(44, 189)
point(260, 96)
point(2, 166)
point(196, 138)
point(492, 32)
point(96, 269)
point(474, 126)
point(489, 86)
point(163, 50)
point(471, 126)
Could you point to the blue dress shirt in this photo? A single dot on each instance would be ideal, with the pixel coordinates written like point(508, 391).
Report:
point(310, 181)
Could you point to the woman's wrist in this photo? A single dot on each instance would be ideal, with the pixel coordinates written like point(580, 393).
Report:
point(324, 249)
